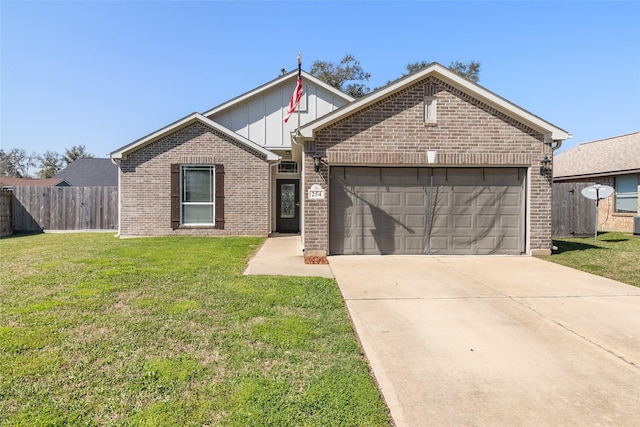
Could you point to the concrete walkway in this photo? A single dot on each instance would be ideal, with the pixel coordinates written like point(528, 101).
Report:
point(490, 341)
point(281, 255)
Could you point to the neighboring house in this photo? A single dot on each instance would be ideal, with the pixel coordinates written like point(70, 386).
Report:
point(90, 172)
point(614, 162)
point(430, 164)
point(8, 183)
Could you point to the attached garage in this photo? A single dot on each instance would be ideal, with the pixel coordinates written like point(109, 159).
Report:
point(421, 210)
point(432, 163)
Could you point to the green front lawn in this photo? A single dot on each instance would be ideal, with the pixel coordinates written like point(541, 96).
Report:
point(614, 255)
point(166, 331)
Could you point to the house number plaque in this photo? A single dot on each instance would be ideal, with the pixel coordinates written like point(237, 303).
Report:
point(316, 192)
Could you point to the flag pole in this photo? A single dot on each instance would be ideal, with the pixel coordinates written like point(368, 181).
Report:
point(299, 74)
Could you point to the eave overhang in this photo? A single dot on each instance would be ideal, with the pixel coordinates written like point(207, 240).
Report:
point(121, 154)
point(551, 132)
point(595, 175)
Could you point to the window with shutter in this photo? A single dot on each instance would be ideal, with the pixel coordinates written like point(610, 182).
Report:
point(197, 195)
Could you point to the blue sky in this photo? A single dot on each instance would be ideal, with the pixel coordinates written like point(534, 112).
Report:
point(103, 74)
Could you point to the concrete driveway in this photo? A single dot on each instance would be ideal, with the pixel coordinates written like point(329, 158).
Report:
point(511, 341)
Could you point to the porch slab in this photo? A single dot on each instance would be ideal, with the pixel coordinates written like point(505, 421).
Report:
point(282, 255)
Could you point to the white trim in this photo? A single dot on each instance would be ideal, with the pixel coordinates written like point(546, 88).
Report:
point(122, 153)
point(212, 172)
point(306, 132)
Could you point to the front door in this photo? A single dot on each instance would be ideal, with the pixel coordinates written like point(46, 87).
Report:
point(288, 205)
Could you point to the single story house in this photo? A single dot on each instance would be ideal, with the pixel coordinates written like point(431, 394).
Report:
point(429, 164)
point(90, 172)
point(614, 162)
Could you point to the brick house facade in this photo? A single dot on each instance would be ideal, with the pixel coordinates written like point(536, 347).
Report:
point(390, 131)
point(435, 163)
point(146, 188)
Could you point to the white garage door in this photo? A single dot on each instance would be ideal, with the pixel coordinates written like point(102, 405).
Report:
point(426, 210)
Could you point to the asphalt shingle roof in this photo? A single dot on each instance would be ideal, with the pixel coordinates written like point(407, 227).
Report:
point(92, 172)
point(603, 157)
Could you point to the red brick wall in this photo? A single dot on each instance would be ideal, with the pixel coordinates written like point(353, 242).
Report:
point(393, 132)
point(145, 184)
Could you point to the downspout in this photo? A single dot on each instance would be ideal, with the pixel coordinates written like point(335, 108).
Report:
point(558, 144)
point(117, 163)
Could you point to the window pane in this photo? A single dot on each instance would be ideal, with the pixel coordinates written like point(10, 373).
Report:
point(197, 214)
point(198, 185)
point(287, 201)
point(627, 193)
point(198, 195)
point(626, 203)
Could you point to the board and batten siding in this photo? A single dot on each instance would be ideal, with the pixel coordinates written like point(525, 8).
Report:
point(261, 118)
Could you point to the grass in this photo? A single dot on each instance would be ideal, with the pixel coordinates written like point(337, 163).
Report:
point(97, 331)
point(614, 255)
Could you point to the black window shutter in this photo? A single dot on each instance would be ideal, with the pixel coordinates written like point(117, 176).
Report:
point(175, 196)
point(219, 196)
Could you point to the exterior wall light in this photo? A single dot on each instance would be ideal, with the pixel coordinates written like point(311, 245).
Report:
point(545, 169)
point(316, 161)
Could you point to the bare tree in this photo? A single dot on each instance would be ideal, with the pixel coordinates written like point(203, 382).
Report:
point(16, 163)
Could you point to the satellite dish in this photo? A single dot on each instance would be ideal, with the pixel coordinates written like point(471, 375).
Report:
point(597, 192)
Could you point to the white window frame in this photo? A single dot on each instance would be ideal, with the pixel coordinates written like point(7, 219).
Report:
point(430, 104)
point(293, 170)
point(627, 194)
point(212, 203)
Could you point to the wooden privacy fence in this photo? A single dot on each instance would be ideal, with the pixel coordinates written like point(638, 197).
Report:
point(5, 214)
point(64, 208)
point(572, 213)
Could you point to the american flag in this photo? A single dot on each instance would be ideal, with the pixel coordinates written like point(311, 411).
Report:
point(297, 93)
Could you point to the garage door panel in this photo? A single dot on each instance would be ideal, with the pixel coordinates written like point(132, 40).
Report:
point(487, 199)
point(416, 198)
point(511, 200)
point(462, 199)
point(438, 244)
point(462, 222)
point(461, 245)
point(509, 221)
point(510, 243)
point(395, 210)
point(391, 198)
point(485, 221)
point(487, 244)
point(415, 221)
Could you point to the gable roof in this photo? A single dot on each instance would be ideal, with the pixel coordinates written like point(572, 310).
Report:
point(292, 76)
point(550, 131)
point(27, 182)
point(90, 172)
point(611, 156)
point(181, 124)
